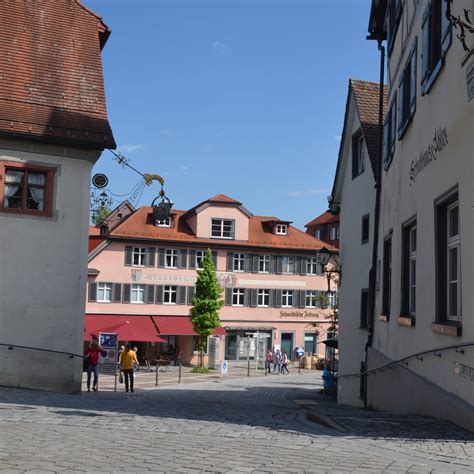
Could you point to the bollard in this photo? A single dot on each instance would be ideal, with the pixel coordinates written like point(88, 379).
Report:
point(156, 377)
point(248, 367)
point(179, 378)
point(299, 365)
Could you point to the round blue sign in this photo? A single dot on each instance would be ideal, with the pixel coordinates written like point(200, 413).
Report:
point(300, 352)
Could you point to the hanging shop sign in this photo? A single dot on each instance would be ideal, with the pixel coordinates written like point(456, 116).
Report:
point(431, 153)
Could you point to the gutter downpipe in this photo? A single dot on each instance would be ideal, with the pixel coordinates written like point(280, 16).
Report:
point(378, 191)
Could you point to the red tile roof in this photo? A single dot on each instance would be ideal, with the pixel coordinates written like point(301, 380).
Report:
point(324, 218)
point(51, 83)
point(139, 226)
point(222, 198)
point(367, 102)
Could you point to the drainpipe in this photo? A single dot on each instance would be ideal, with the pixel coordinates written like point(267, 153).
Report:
point(378, 190)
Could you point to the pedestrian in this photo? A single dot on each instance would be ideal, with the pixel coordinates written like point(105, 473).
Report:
point(328, 378)
point(92, 356)
point(127, 359)
point(277, 361)
point(135, 365)
point(268, 361)
point(284, 363)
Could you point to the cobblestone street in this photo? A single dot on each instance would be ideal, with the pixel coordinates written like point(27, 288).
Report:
point(242, 425)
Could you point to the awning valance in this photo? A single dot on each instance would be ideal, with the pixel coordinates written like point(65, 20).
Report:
point(179, 326)
point(129, 328)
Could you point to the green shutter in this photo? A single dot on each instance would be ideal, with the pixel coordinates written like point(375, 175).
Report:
point(253, 298)
point(191, 293)
point(192, 259)
point(126, 293)
point(92, 292)
point(181, 295)
point(159, 294)
point(277, 301)
point(150, 294)
point(117, 292)
point(161, 258)
point(230, 261)
point(183, 259)
point(150, 260)
point(128, 255)
point(228, 296)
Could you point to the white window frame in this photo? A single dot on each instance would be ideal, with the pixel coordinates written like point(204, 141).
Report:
point(238, 262)
point(164, 223)
point(281, 229)
point(287, 262)
point(317, 234)
point(264, 263)
point(312, 266)
point(310, 298)
point(172, 254)
point(262, 296)
point(200, 254)
point(136, 291)
point(454, 242)
point(168, 292)
point(287, 298)
point(360, 155)
point(222, 222)
point(102, 289)
point(139, 253)
point(238, 295)
point(333, 233)
point(332, 298)
point(412, 264)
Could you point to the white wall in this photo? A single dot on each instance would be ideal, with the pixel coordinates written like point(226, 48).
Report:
point(357, 200)
point(43, 273)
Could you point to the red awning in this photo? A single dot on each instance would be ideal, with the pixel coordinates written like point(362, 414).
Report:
point(129, 328)
point(179, 326)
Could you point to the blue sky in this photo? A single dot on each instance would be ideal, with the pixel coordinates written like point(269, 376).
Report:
point(240, 97)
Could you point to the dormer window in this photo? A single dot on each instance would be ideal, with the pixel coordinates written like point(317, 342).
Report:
point(281, 229)
point(222, 228)
point(164, 223)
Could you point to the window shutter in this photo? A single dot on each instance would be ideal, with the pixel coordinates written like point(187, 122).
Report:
point(117, 292)
point(150, 261)
point(425, 54)
point(304, 262)
point(273, 264)
point(297, 267)
point(248, 263)
point(446, 29)
point(191, 293)
point(302, 298)
point(126, 293)
point(228, 296)
point(412, 73)
point(279, 265)
point(255, 259)
point(393, 121)
point(386, 153)
point(230, 261)
point(92, 292)
point(401, 86)
point(246, 297)
point(128, 256)
point(192, 259)
point(161, 258)
point(271, 298)
point(253, 298)
point(159, 294)
point(214, 258)
point(150, 294)
point(183, 259)
point(181, 295)
point(277, 301)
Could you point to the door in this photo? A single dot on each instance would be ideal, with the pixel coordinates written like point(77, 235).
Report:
point(310, 342)
point(287, 343)
point(231, 347)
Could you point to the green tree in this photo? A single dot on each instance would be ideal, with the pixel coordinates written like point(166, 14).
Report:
point(206, 304)
point(100, 214)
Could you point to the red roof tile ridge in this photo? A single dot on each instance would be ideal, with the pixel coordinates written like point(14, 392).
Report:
point(222, 198)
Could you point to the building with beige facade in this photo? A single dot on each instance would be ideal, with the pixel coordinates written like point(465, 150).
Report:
point(144, 272)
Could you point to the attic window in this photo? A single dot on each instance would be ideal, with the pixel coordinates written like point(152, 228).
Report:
point(281, 229)
point(164, 223)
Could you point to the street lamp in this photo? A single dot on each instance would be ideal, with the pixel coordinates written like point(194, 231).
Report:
point(323, 256)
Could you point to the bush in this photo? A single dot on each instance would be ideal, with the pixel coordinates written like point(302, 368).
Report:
point(200, 370)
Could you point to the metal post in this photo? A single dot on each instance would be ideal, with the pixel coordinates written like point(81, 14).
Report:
point(115, 379)
point(299, 365)
point(156, 377)
point(248, 356)
point(179, 378)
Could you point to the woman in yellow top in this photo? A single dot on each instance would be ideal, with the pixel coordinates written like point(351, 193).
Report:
point(127, 359)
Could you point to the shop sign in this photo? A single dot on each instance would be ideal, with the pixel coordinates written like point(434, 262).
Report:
point(431, 153)
point(226, 280)
point(299, 314)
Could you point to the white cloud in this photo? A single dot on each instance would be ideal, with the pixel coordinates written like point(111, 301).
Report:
point(130, 148)
point(307, 192)
point(221, 48)
point(337, 138)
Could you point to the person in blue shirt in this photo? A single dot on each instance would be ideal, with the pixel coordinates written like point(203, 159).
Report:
point(328, 377)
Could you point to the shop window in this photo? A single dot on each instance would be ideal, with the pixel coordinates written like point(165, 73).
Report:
point(26, 189)
point(195, 344)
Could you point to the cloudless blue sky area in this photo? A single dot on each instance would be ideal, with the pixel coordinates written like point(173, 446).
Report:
point(240, 97)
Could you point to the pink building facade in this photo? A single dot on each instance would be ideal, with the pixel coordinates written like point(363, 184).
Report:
point(268, 269)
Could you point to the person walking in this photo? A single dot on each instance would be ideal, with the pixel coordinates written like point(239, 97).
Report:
point(92, 355)
point(277, 361)
point(284, 363)
point(135, 364)
point(268, 361)
point(127, 359)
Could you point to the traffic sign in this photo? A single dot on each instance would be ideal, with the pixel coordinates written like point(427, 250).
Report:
point(224, 367)
point(300, 352)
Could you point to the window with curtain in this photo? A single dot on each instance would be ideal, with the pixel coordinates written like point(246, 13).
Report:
point(25, 189)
